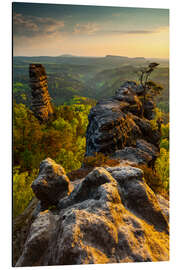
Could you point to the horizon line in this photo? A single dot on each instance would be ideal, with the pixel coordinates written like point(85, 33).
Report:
point(86, 56)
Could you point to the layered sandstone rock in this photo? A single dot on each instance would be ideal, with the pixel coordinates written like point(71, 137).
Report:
point(111, 216)
point(116, 126)
point(41, 101)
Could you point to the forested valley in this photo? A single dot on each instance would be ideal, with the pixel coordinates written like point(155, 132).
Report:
point(75, 85)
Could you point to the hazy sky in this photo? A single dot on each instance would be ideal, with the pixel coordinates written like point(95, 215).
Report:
point(43, 29)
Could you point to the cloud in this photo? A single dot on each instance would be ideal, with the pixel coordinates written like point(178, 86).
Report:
point(132, 32)
point(30, 26)
point(95, 29)
point(89, 28)
point(140, 32)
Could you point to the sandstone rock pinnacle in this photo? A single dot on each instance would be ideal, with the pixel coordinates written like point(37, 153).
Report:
point(41, 101)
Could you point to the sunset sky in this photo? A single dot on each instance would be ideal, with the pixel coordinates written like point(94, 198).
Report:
point(53, 30)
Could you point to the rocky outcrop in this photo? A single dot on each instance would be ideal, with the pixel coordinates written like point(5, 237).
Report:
point(104, 214)
point(142, 153)
point(51, 184)
point(20, 228)
point(110, 216)
point(117, 128)
point(41, 101)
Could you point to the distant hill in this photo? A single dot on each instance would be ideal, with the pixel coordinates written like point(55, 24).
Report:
point(67, 55)
point(93, 77)
point(116, 56)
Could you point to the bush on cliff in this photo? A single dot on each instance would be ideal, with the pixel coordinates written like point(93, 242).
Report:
point(162, 162)
point(162, 168)
point(158, 178)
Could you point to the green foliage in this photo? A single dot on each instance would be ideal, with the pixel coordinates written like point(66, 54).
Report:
point(152, 179)
point(22, 192)
point(89, 77)
point(150, 89)
point(154, 88)
point(62, 139)
point(164, 144)
point(158, 178)
point(165, 131)
point(81, 100)
point(27, 135)
point(162, 162)
point(163, 106)
point(68, 159)
point(158, 117)
point(162, 168)
point(17, 87)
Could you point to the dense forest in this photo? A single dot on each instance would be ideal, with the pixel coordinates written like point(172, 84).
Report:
point(62, 138)
point(75, 85)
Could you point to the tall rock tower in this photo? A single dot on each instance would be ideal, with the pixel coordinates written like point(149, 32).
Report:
point(41, 101)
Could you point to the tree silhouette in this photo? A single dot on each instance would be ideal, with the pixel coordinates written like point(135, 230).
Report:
point(148, 86)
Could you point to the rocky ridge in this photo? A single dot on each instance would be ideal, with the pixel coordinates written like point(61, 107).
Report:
point(41, 101)
point(110, 215)
point(117, 128)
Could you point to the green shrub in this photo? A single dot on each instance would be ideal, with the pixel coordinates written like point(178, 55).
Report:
point(154, 180)
point(162, 168)
point(22, 192)
point(157, 117)
point(164, 144)
point(165, 131)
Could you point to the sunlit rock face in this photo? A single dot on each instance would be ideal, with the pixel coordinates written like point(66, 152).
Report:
point(41, 101)
point(111, 216)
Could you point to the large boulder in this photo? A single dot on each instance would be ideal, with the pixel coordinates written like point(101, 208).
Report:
point(51, 184)
point(111, 216)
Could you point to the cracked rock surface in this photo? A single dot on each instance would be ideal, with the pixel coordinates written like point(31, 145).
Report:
point(110, 216)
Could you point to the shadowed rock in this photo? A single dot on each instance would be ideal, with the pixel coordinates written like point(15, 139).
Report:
point(142, 153)
point(117, 128)
point(51, 184)
point(38, 239)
